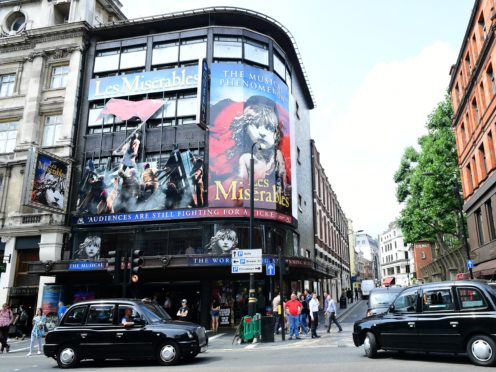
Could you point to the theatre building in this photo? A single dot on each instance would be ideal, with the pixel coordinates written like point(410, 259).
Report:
point(173, 108)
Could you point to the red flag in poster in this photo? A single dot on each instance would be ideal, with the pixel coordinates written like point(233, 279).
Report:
point(125, 109)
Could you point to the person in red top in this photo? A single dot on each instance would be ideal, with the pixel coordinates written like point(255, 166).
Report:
point(293, 308)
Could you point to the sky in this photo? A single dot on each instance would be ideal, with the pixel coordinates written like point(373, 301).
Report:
point(377, 68)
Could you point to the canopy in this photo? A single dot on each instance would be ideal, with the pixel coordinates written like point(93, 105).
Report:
point(388, 281)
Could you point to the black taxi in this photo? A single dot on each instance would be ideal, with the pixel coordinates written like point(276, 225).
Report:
point(453, 317)
point(95, 330)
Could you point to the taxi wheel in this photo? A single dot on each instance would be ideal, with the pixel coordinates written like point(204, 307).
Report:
point(370, 345)
point(482, 350)
point(168, 353)
point(67, 356)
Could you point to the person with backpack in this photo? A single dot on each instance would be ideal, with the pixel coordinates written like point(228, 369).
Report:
point(21, 322)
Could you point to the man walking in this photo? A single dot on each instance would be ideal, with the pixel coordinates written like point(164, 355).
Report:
point(293, 309)
point(332, 312)
point(308, 298)
point(275, 311)
point(314, 314)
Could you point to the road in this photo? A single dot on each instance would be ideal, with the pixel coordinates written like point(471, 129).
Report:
point(333, 351)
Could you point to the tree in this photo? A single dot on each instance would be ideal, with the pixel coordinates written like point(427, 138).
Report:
point(425, 182)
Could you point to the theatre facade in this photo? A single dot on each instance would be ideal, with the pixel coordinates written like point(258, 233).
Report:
point(172, 110)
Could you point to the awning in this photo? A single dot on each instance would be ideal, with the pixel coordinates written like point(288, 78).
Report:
point(388, 281)
point(485, 268)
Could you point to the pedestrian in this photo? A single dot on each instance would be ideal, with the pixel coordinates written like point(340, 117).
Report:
point(61, 310)
point(331, 310)
point(38, 332)
point(308, 298)
point(356, 294)
point(21, 321)
point(6, 319)
point(349, 294)
point(304, 314)
point(167, 303)
point(277, 314)
point(183, 312)
point(326, 298)
point(293, 308)
point(215, 313)
point(314, 314)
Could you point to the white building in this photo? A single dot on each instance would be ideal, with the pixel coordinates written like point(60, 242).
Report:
point(396, 258)
point(42, 46)
point(367, 249)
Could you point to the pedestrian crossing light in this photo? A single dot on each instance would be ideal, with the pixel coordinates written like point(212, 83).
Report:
point(136, 264)
point(113, 265)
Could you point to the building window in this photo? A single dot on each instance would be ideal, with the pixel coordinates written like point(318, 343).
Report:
point(476, 110)
point(482, 155)
point(299, 203)
point(53, 126)
point(298, 154)
point(58, 78)
point(490, 219)
point(15, 23)
point(490, 76)
point(482, 94)
point(469, 64)
point(479, 226)
point(463, 134)
point(279, 66)
point(8, 134)
point(167, 53)
point(228, 47)
point(133, 57)
point(107, 60)
point(193, 50)
point(482, 27)
point(470, 177)
point(7, 83)
point(457, 91)
point(256, 52)
point(423, 255)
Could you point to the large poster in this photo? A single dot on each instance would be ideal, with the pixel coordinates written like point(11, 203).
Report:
point(47, 180)
point(249, 112)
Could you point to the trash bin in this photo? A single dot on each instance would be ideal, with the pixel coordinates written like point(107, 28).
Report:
point(342, 302)
point(267, 331)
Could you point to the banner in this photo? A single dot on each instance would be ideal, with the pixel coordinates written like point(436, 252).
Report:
point(46, 182)
point(249, 112)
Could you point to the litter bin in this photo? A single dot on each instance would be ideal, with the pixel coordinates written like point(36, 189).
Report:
point(267, 331)
point(342, 302)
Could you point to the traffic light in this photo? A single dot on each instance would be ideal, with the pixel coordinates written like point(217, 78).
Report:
point(284, 267)
point(114, 265)
point(136, 264)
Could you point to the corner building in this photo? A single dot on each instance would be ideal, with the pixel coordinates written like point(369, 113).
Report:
point(172, 109)
point(473, 90)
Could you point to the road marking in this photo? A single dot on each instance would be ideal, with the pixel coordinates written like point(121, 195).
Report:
point(17, 350)
point(216, 336)
point(252, 346)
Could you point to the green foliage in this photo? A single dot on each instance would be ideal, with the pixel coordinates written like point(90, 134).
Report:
point(425, 182)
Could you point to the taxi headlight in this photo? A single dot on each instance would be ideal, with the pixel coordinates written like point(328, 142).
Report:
point(190, 335)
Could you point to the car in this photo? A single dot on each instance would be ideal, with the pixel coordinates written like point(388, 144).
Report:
point(380, 299)
point(450, 317)
point(94, 330)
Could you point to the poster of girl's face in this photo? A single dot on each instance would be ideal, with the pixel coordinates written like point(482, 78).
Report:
point(249, 113)
point(89, 248)
point(223, 241)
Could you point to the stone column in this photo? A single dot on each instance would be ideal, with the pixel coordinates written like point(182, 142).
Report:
point(51, 246)
point(29, 126)
point(7, 278)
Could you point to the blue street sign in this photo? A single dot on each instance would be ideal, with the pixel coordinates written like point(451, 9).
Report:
point(470, 264)
point(270, 269)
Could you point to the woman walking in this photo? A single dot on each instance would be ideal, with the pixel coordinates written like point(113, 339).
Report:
point(6, 318)
point(38, 332)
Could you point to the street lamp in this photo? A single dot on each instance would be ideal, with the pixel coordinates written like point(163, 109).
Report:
point(456, 190)
point(252, 300)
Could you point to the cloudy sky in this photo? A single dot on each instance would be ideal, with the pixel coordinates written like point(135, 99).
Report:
point(377, 69)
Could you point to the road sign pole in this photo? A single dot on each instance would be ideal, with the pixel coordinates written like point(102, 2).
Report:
point(252, 300)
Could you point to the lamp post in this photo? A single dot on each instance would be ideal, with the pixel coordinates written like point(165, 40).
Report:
point(456, 190)
point(252, 300)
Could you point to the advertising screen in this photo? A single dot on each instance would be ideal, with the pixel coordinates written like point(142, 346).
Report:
point(249, 114)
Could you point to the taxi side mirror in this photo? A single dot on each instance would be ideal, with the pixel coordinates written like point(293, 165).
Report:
point(391, 308)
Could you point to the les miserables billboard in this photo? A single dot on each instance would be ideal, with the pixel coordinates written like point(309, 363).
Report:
point(249, 111)
point(248, 108)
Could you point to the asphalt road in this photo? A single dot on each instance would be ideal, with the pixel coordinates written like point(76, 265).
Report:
point(332, 352)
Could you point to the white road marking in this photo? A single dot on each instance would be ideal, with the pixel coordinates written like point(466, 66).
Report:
point(216, 336)
point(251, 346)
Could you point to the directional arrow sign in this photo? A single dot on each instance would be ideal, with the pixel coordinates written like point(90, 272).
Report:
point(246, 269)
point(247, 261)
point(270, 269)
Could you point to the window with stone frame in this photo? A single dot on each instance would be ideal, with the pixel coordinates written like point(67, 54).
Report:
point(58, 76)
point(53, 125)
point(7, 83)
point(8, 134)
